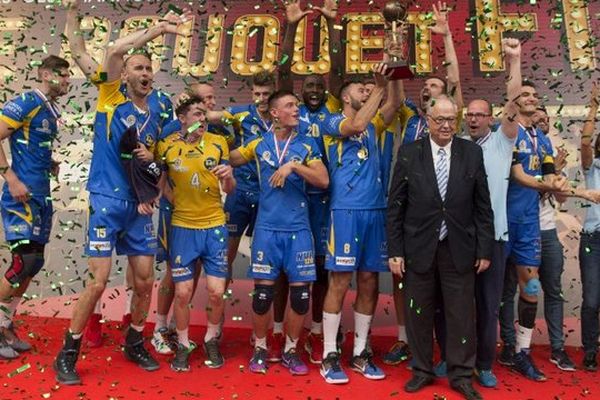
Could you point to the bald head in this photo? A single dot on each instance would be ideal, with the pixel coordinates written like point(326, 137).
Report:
point(206, 92)
point(479, 118)
point(442, 120)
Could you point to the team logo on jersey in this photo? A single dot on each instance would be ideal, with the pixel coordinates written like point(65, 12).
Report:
point(177, 165)
point(130, 120)
point(523, 145)
point(149, 140)
point(296, 158)
point(321, 116)
point(255, 129)
point(210, 163)
point(45, 126)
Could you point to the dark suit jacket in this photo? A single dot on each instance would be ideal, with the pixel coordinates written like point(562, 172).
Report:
point(416, 209)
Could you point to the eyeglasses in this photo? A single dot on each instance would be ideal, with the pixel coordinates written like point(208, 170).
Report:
point(477, 115)
point(440, 121)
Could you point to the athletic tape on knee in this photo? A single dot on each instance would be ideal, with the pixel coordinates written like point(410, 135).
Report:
point(300, 298)
point(533, 286)
point(262, 299)
point(527, 312)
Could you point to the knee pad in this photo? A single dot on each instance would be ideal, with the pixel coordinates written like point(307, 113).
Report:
point(262, 299)
point(300, 299)
point(533, 286)
point(27, 260)
point(527, 312)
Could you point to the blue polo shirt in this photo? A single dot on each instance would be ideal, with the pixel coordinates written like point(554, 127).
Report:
point(592, 213)
point(497, 158)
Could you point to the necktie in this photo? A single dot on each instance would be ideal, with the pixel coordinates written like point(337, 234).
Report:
point(441, 172)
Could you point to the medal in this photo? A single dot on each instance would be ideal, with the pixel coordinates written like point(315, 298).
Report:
point(363, 153)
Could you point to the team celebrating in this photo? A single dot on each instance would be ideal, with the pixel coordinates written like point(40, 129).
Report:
point(460, 220)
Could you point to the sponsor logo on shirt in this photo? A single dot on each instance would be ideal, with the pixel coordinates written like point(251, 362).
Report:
point(261, 268)
point(97, 245)
point(347, 261)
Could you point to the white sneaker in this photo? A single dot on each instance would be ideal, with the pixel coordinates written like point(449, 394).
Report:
point(160, 341)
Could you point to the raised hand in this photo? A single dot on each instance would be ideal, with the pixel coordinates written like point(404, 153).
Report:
point(293, 12)
point(171, 21)
point(381, 74)
point(440, 15)
point(560, 160)
point(511, 48)
point(329, 9)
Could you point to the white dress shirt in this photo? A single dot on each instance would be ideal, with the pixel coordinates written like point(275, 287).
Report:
point(434, 153)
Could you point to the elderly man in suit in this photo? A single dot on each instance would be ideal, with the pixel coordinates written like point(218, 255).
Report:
point(440, 234)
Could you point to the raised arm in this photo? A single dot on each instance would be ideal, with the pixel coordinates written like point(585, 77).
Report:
point(442, 27)
point(357, 124)
point(512, 54)
point(293, 16)
point(76, 43)
point(336, 54)
point(587, 135)
point(113, 61)
point(395, 97)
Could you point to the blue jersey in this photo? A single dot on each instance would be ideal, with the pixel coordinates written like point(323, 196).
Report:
point(34, 120)
point(115, 114)
point(312, 123)
point(159, 105)
point(286, 208)
point(248, 125)
point(355, 168)
point(531, 151)
point(414, 125)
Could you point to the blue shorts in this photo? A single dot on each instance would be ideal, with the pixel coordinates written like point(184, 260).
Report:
point(524, 246)
point(31, 220)
point(115, 223)
point(241, 208)
point(188, 245)
point(318, 210)
point(357, 241)
point(164, 230)
point(274, 252)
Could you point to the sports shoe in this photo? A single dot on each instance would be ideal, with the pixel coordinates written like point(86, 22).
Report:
point(507, 355)
point(276, 343)
point(332, 371)
point(486, 378)
point(398, 352)
point(441, 369)
point(64, 364)
point(161, 341)
point(258, 362)
point(181, 361)
point(6, 351)
point(291, 360)
point(590, 362)
point(135, 351)
point(13, 340)
point(215, 359)
point(363, 364)
point(93, 331)
point(314, 347)
point(562, 360)
point(524, 365)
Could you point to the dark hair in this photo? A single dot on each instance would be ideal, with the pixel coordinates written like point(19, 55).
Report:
point(542, 108)
point(528, 83)
point(263, 78)
point(185, 105)
point(347, 84)
point(53, 63)
point(278, 95)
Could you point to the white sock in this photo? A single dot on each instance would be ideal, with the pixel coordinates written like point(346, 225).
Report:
point(290, 343)
point(139, 328)
point(13, 305)
point(260, 342)
point(182, 337)
point(161, 322)
point(98, 307)
point(402, 334)
point(5, 315)
point(277, 327)
point(331, 324)
point(362, 323)
point(129, 293)
point(212, 331)
point(76, 336)
point(523, 338)
point(316, 327)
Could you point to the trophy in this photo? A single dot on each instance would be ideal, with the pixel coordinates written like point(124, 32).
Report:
point(396, 45)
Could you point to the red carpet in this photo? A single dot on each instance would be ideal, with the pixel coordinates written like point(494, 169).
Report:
point(107, 375)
